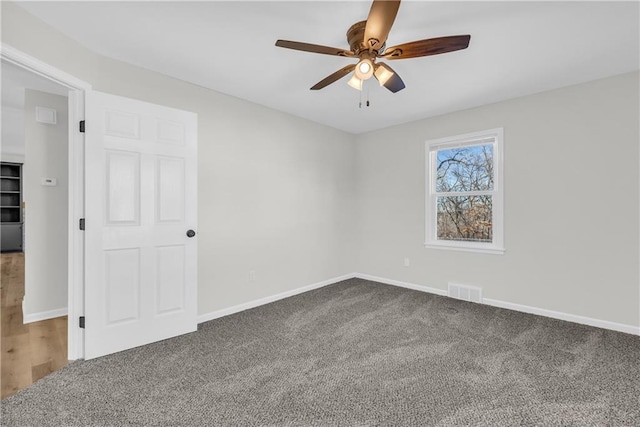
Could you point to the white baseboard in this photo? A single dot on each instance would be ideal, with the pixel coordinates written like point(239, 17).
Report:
point(604, 324)
point(266, 300)
point(442, 292)
point(43, 315)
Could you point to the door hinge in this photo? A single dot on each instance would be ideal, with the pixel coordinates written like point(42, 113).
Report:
point(82, 224)
point(82, 126)
point(81, 322)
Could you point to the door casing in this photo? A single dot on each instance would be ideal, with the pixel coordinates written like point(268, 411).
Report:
point(75, 268)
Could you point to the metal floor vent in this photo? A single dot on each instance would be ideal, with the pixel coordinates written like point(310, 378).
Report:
point(465, 292)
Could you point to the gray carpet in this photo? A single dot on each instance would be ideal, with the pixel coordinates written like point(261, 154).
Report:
point(356, 353)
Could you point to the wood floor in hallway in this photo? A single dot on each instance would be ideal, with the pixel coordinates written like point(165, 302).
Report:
point(27, 352)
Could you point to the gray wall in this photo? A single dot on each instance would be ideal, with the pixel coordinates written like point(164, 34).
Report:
point(46, 208)
point(275, 191)
point(300, 203)
point(571, 202)
point(12, 142)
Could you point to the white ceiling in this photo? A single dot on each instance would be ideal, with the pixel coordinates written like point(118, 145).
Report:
point(516, 49)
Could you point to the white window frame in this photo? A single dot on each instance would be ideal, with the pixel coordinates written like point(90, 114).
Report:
point(431, 220)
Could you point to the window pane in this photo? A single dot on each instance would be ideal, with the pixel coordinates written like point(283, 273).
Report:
point(465, 169)
point(466, 218)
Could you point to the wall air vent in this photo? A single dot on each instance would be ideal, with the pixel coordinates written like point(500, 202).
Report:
point(465, 292)
point(46, 115)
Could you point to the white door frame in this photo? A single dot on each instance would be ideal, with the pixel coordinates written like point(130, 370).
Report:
point(75, 257)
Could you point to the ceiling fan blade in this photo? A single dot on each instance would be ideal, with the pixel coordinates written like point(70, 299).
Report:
point(394, 83)
point(314, 48)
point(334, 77)
point(379, 22)
point(427, 47)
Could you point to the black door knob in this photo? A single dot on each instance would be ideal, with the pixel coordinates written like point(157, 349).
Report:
point(191, 233)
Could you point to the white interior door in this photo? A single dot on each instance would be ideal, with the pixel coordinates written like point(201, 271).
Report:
point(141, 200)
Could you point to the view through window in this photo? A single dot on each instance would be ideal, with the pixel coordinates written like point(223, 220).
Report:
point(464, 200)
point(464, 186)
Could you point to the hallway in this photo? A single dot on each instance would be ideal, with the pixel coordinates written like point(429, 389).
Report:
point(28, 352)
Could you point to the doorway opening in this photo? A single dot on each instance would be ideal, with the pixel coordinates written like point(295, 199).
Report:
point(34, 192)
point(138, 251)
point(42, 199)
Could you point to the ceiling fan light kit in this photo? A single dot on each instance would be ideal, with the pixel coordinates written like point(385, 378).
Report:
point(367, 40)
point(383, 73)
point(355, 82)
point(364, 69)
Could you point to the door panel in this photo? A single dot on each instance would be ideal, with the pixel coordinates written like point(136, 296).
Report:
point(141, 198)
point(118, 123)
point(170, 193)
point(170, 132)
point(170, 284)
point(122, 285)
point(123, 187)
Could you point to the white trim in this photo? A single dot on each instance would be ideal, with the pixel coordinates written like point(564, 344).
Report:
point(469, 247)
point(266, 300)
point(77, 89)
point(465, 139)
point(400, 284)
point(75, 271)
point(44, 315)
point(23, 60)
point(604, 324)
point(497, 194)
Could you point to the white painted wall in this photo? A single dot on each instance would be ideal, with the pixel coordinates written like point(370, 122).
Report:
point(275, 191)
point(14, 82)
point(278, 193)
point(12, 135)
point(45, 213)
point(571, 202)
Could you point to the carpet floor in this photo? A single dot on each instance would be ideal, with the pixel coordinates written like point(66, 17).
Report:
point(356, 353)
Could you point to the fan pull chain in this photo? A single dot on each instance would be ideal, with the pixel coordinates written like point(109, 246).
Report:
point(367, 102)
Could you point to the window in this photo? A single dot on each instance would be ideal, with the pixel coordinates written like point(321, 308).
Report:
point(464, 209)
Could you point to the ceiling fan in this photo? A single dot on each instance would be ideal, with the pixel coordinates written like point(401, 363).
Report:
point(367, 40)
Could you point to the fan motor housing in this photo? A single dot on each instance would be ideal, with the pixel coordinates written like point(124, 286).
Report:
point(355, 37)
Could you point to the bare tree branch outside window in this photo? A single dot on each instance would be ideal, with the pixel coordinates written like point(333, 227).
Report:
point(464, 170)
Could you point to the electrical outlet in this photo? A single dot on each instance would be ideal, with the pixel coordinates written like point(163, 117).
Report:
point(407, 262)
point(252, 275)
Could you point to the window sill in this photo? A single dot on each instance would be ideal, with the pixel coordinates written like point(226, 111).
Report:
point(465, 248)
